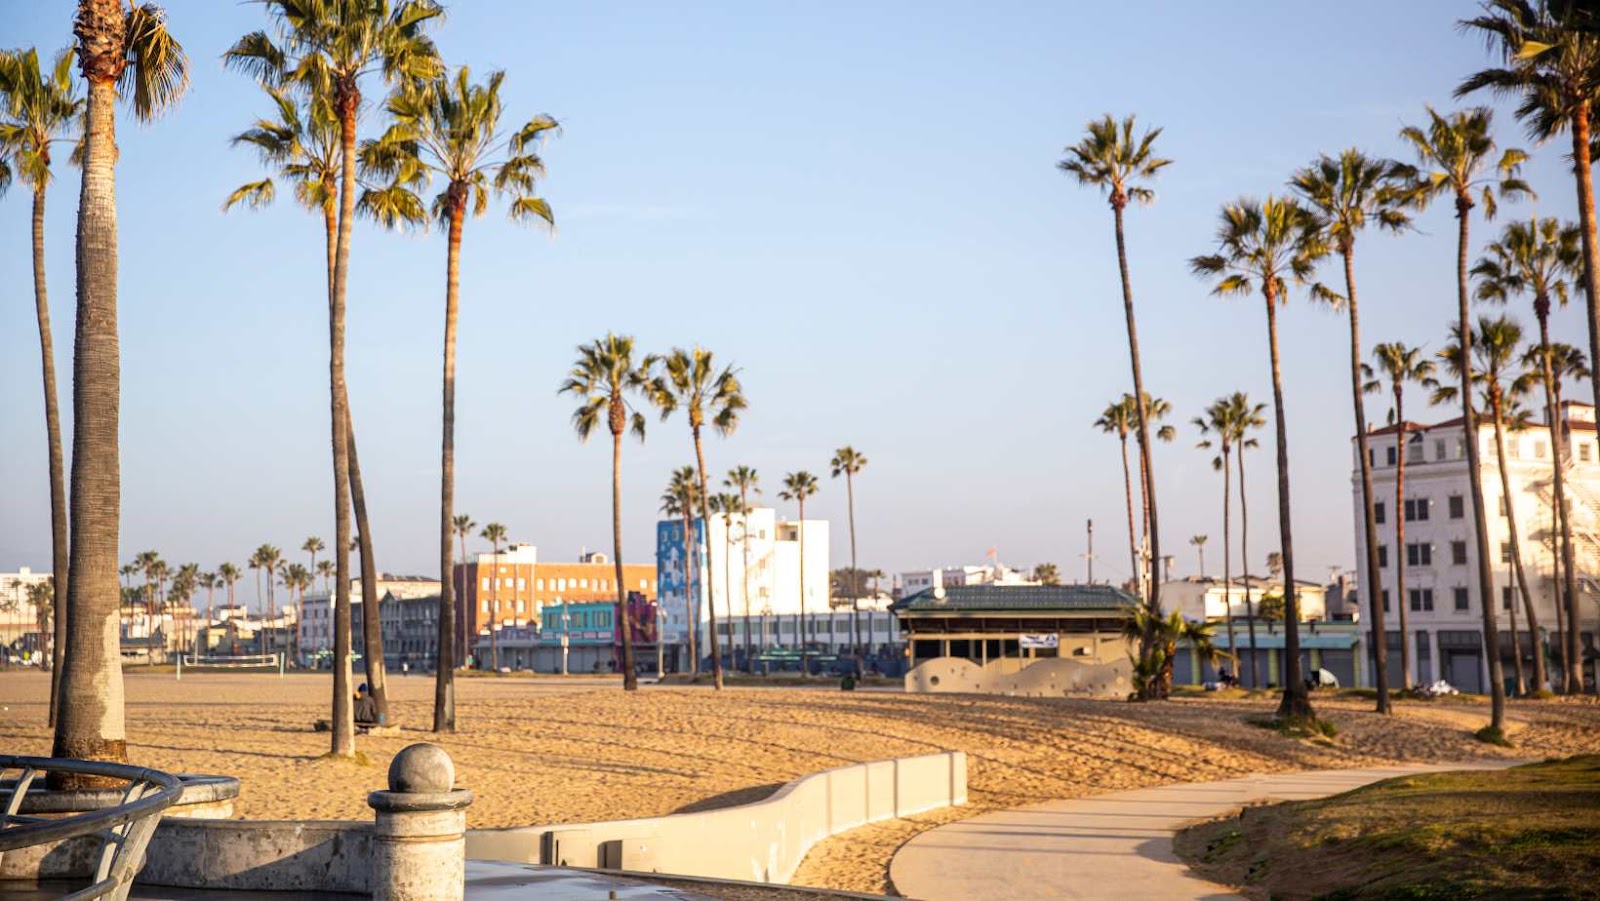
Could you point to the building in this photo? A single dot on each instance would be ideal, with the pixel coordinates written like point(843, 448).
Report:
point(753, 568)
point(574, 638)
point(511, 588)
point(1440, 591)
point(316, 625)
point(410, 628)
point(955, 576)
point(988, 622)
point(1205, 598)
point(19, 619)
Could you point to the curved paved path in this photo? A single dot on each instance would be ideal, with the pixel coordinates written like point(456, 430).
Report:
point(1116, 845)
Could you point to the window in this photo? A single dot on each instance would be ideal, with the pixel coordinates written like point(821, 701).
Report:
point(1584, 451)
point(1458, 553)
point(1458, 506)
point(1383, 555)
point(1505, 598)
point(486, 583)
point(1438, 449)
point(522, 606)
point(1414, 449)
point(1389, 455)
point(1417, 509)
point(1505, 552)
point(522, 584)
point(1461, 599)
point(1386, 600)
point(1378, 515)
point(1514, 449)
point(1419, 554)
point(1421, 600)
point(538, 585)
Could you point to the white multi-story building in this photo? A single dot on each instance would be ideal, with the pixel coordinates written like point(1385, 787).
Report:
point(1205, 598)
point(1441, 593)
point(954, 576)
point(774, 568)
point(316, 622)
point(18, 617)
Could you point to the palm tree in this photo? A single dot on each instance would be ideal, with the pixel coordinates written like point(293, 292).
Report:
point(122, 51)
point(847, 461)
point(1220, 419)
point(746, 481)
point(1550, 60)
point(1169, 631)
point(1111, 158)
point(313, 546)
point(1118, 419)
point(1266, 246)
point(1537, 258)
point(1456, 153)
point(228, 574)
point(323, 50)
point(325, 570)
point(464, 527)
point(797, 486)
point(728, 505)
point(709, 396)
point(39, 109)
point(1496, 345)
point(603, 378)
point(1401, 365)
point(1156, 409)
point(1348, 193)
point(450, 128)
point(494, 533)
point(1046, 574)
point(1199, 544)
point(680, 499)
point(210, 581)
point(269, 558)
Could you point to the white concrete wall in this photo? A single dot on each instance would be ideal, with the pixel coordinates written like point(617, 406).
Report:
point(760, 842)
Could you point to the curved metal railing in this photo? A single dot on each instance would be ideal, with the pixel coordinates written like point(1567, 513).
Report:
point(124, 828)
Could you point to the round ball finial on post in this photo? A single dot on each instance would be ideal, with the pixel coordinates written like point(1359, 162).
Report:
point(420, 826)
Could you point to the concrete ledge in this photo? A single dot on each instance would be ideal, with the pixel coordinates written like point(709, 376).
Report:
point(1050, 677)
point(760, 842)
point(261, 855)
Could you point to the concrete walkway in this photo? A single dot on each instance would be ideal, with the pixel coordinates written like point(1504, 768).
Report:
point(1117, 845)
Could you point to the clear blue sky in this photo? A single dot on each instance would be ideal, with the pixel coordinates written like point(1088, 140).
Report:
point(856, 203)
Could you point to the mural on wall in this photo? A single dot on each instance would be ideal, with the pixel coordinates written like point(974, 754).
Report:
point(672, 566)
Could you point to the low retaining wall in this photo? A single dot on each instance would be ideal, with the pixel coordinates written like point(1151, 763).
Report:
point(760, 842)
point(261, 855)
point(1050, 677)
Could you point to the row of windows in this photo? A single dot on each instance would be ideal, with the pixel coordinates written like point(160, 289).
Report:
point(1421, 554)
point(1420, 600)
point(521, 584)
point(1418, 509)
point(1444, 449)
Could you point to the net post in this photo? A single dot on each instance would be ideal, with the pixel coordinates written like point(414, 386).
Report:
point(180, 666)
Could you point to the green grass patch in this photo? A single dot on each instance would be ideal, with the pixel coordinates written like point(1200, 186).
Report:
point(1528, 832)
point(1296, 727)
point(1491, 735)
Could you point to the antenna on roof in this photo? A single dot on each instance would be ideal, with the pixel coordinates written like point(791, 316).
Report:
point(1088, 555)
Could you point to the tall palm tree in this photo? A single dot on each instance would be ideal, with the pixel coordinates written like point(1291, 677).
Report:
point(1112, 159)
point(1497, 345)
point(605, 379)
point(847, 461)
point(210, 582)
point(797, 486)
point(38, 110)
point(325, 570)
point(269, 558)
point(1156, 409)
point(323, 49)
point(313, 546)
point(1401, 365)
point(122, 51)
point(746, 481)
point(1221, 421)
point(1537, 258)
point(1456, 154)
point(1267, 246)
point(727, 505)
point(709, 396)
point(1348, 193)
point(228, 573)
point(464, 527)
point(450, 128)
point(680, 499)
point(1549, 52)
point(494, 533)
point(1118, 419)
point(1198, 542)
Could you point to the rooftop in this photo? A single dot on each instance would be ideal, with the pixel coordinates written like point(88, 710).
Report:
point(991, 597)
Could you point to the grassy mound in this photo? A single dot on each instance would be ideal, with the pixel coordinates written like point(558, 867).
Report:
point(1528, 832)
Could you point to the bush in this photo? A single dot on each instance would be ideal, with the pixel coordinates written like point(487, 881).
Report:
point(1490, 735)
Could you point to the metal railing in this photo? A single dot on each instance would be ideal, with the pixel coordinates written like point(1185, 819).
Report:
point(124, 828)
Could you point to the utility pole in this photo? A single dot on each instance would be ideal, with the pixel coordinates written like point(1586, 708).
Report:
point(1089, 556)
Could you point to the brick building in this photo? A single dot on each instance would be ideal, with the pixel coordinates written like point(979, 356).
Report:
point(517, 585)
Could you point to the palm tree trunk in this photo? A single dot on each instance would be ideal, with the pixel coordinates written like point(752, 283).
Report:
point(1491, 635)
point(744, 504)
point(1566, 584)
point(343, 733)
point(1227, 559)
point(58, 483)
point(630, 678)
point(371, 621)
point(1557, 576)
point(691, 609)
point(444, 713)
point(1516, 651)
point(1244, 557)
point(800, 626)
point(1581, 164)
point(1407, 674)
point(711, 601)
point(855, 574)
point(1296, 702)
point(1146, 470)
point(1373, 576)
point(1498, 412)
point(1136, 570)
point(89, 720)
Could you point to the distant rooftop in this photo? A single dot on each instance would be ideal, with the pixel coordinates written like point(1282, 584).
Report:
point(991, 597)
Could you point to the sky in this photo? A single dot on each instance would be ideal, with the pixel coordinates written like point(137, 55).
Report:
point(855, 204)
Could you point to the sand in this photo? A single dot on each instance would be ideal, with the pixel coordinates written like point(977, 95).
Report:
point(551, 750)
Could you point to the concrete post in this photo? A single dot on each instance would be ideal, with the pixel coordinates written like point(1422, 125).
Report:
point(420, 829)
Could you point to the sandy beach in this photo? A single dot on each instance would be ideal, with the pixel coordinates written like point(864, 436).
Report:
point(550, 751)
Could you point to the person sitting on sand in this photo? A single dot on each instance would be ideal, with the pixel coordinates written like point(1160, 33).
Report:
point(366, 712)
